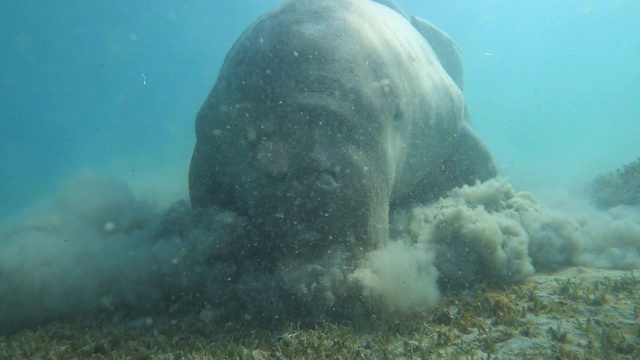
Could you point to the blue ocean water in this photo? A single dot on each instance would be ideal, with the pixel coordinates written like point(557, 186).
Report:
point(552, 86)
point(111, 86)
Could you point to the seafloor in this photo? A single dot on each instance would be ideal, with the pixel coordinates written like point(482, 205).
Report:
point(575, 313)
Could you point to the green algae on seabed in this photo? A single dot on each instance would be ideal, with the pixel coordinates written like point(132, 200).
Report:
point(573, 314)
point(621, 187)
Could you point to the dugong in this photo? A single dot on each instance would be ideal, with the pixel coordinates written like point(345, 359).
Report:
point(327, 114)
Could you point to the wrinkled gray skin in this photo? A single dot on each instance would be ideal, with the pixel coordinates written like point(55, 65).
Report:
point(325, 114)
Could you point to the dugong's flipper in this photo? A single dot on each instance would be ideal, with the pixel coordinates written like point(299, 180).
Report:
point(469, 161)
point(445, 48)
point(472, 159)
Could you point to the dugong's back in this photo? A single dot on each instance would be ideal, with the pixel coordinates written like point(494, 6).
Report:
point(323, 113)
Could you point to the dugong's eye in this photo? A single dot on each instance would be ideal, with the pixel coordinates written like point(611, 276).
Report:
point(326, 180)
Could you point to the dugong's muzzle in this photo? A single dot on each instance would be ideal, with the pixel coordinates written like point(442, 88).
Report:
point(307, 173)
point(310, 215)
point(328, 198)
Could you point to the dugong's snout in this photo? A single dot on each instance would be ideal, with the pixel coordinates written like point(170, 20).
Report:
point(314, 209)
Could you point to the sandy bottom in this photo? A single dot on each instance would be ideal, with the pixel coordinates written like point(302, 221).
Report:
point(573, 313)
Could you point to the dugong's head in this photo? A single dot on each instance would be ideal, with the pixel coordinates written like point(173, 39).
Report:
point(321, 111)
